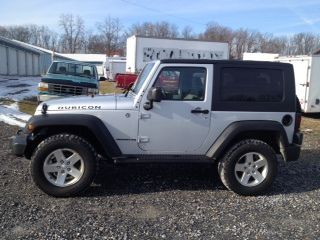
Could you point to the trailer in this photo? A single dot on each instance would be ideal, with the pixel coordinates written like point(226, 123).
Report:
point(114, 67)
point(141, 50)
point(307, 77)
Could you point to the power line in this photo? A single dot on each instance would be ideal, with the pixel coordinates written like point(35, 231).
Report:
point(162, 12)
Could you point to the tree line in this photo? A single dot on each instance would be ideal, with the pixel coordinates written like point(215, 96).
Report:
point(109, 37)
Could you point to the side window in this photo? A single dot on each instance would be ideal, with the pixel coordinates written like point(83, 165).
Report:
point(61, 67)
point(251, 85)
point(182, 83)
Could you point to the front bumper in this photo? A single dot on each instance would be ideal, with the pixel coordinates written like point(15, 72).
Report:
point(292, 152)
point(46, 97)
point(18, 143)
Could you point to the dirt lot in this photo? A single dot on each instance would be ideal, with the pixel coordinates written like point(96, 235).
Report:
point(163, 202)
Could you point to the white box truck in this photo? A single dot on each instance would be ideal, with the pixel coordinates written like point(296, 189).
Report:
point(115, 66)
point(141, 50)
point(307, 77)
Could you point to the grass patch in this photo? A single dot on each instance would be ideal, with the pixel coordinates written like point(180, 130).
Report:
point(6, 101)
point(109, 87)
point(310, 122)
point(310, 125)
point(28, 105)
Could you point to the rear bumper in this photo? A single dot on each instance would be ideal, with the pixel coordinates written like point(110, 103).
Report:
point(292, 152)
point(18, 143)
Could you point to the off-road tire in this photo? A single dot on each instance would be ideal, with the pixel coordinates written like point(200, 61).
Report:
point(226, 167)
point(60, 141)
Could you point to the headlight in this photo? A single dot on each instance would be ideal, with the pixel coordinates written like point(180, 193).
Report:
point(93, 91)
point(43, 87)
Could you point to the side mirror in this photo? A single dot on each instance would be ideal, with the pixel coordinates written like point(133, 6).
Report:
point(155, 94)
point(102, 79)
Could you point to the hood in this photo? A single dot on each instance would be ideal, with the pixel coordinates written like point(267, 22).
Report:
point(85, 104)
point(69, 79)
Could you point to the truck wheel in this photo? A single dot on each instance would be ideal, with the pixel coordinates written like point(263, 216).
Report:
point(63, 165)
point(249, 167)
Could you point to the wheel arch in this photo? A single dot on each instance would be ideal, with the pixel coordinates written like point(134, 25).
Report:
point(270, 132)
point(89, 127)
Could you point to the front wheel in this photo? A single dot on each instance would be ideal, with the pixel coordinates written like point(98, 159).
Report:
point(249, 167)
point(63, 165)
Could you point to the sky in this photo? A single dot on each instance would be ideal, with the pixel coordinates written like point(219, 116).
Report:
point(280, 17)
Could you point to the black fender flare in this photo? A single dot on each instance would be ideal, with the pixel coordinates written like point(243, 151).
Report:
point(236, 128)
point(92, 123)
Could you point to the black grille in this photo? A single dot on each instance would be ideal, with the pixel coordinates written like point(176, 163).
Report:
point(58, 89)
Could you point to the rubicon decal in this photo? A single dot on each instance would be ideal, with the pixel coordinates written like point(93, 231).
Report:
point(84, 107)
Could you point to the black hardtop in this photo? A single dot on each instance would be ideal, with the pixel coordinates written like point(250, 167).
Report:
point(233, 62)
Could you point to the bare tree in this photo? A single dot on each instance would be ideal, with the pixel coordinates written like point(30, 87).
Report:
point(305, 43)
point(4, 32)
point(218, 33)
point(187, 33)
point(18, 32)
point(110, 31)
point(42, 36)
point(73, 36)
point(244, 40)
point(165, 30)
point(96, 44)
point(159, 29)
point(111, 37)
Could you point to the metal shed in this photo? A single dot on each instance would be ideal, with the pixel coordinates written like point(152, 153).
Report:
point(46, 56)
point(17, 59)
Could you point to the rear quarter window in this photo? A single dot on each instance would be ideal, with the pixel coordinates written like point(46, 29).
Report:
point(251, 84)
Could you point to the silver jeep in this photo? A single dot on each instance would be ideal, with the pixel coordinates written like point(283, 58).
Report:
point(242, 115)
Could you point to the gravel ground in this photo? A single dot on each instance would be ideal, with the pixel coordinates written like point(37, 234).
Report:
point(161, 202)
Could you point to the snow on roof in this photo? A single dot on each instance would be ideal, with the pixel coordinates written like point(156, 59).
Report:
point(18, 44)
point(33, 46)
point(40, 49)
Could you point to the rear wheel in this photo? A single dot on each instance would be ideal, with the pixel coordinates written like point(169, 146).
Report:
point(249, 167)
point(63, 165)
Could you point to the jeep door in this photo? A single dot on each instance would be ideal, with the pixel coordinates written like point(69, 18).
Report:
point(180, 123)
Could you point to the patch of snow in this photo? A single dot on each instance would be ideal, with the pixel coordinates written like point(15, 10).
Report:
point(11, 115)
point(18, 88)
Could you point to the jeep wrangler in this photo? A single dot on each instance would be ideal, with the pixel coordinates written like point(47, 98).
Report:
point(242, 115)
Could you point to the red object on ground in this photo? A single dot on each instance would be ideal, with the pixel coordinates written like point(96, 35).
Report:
point(123, 80)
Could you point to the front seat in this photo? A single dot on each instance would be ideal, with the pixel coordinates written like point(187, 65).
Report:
point(87, 72)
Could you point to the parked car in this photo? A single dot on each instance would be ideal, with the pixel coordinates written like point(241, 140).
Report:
point(242, 115)
point(66, 78)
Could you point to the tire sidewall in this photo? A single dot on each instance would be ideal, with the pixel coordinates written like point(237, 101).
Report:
point(229, 167)
point(58, 142)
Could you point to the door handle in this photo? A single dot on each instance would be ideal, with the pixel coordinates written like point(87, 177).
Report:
point(304, 84)
point(197, 110)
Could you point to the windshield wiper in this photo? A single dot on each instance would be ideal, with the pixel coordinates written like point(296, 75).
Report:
point(129, 88)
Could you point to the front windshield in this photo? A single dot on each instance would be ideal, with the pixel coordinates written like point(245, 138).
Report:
point(73, 69)
point(142, 77)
